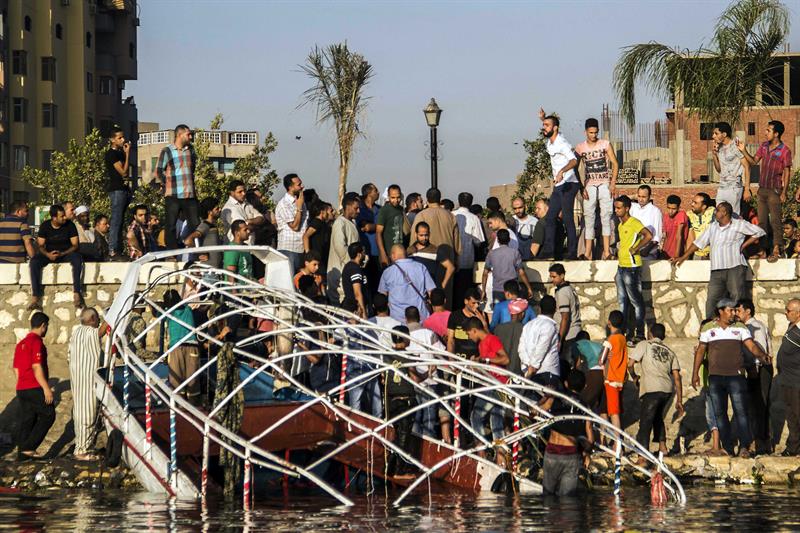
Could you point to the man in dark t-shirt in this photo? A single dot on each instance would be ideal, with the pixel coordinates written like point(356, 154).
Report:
point(317, 236)
point(116, 172)
point(206, 233)
point(458, 341)
point(354, 279)
point(58, 243)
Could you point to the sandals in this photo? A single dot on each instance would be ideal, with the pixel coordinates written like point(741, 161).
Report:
point(773, 257)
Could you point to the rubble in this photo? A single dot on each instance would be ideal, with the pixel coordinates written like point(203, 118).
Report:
point(64, 473)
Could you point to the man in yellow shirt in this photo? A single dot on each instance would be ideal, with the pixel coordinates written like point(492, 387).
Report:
point(701, 215)
point(632, 237)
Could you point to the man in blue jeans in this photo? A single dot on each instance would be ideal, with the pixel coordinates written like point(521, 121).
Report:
point(566, 185)
point(58, 243)
point(116, 171)
point(724, 339)
point(633, 236)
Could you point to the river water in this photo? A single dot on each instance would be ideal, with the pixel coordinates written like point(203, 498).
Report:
point(709, 507)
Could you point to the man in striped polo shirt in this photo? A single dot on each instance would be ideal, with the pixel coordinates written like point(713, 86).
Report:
point(724, 339)
point(175, 173)
point(16, 242)
point(728, 238)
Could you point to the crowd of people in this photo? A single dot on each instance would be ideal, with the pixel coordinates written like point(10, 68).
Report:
point(408, 264)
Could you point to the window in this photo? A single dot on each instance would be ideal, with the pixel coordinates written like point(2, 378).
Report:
point(49, 115)
point(706, 131)
point(88, 39)
point(704, 178)
point(20, 110)
point(3, 155)
point(59, 32)
point(131, 50)
point(242, 137)
point(48, 69)
point(20, 157)
point(47, 156)
point(28, 23)
point(89, 82)
point(751, 128)
point(105, 126)
point(106, 84)
point(19, 62)
point(89, 123)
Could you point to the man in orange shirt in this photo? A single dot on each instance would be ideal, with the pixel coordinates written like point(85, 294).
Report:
point(615, 362)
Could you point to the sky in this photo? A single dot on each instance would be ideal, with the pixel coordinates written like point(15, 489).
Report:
point(490, 65)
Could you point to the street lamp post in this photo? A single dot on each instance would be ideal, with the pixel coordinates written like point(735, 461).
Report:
point(432, 114)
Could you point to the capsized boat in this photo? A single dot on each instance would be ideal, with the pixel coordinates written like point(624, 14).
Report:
point(170, 440)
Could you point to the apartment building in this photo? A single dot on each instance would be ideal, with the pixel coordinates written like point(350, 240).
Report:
point(63, 68)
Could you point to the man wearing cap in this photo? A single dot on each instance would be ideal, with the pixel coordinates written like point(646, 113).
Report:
point(724, 339)
point(510, 332)
point(86, 245)
point(728, 238)
point(501, 313)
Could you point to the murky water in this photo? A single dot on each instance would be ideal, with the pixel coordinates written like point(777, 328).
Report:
point(709, 507)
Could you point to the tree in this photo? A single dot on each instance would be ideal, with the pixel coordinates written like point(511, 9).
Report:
point(717, 82)
point(537, 176)
point(255, 169)
point(77, 175)
point(207, 180)
point(340, 77)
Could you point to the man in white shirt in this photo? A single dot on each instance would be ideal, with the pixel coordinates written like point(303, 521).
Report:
point(727, 237)
point(425, 420)
point(539, 346)
point(291, 217)
point(646, 212)
point(566, 185)
point(471, 232)
point(759, 377)
point(237, 208)
point(525, 224)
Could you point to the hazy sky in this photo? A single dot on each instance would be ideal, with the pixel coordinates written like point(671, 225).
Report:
point(489, 66)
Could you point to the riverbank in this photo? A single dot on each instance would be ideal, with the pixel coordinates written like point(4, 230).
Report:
point(761, 470)
point(64, 473)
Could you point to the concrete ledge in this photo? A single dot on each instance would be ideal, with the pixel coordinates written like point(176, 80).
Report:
point(655, 271)
point(93, 273)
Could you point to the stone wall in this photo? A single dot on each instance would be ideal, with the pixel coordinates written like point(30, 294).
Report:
point(101, 282)
point(674, 296)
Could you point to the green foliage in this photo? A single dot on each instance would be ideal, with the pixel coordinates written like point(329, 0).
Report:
point(255, 169)
point(340, 77)
point(537, 175)
point(790, 207)
point(77, 175)
point(207, 180)
point(152, 197)
point(716, 82)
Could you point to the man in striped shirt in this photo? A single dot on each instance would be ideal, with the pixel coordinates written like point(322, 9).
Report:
point(728, 238)
point(175, 173)
point(16, 242)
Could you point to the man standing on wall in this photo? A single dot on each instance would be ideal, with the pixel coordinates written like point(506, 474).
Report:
point(734, 177)
point(175, 174)
point(116, 170)
point(633, 236)
point(565, 186)
point(600, 185)
point(773, 183)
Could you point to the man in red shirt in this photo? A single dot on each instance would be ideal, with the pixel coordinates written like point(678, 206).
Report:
point(775, 159)
point(33, 391)
point(674, 228)
point(490, 350)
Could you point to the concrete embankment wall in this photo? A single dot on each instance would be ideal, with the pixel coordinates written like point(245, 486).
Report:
point(674, 296)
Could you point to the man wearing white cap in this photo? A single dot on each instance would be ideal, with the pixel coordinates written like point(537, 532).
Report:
point(86, 245)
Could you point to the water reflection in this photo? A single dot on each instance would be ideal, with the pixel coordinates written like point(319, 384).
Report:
point(717, 506)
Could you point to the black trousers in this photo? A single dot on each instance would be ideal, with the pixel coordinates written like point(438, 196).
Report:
point(758, 389)
point(36, 419)
point(402, 432)
point(174, 206)
point(462, 280)
point(791, 399)
point(651, 418)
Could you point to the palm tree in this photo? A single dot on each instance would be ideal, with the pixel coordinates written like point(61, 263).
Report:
point(340, 77)
point(716, 82)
